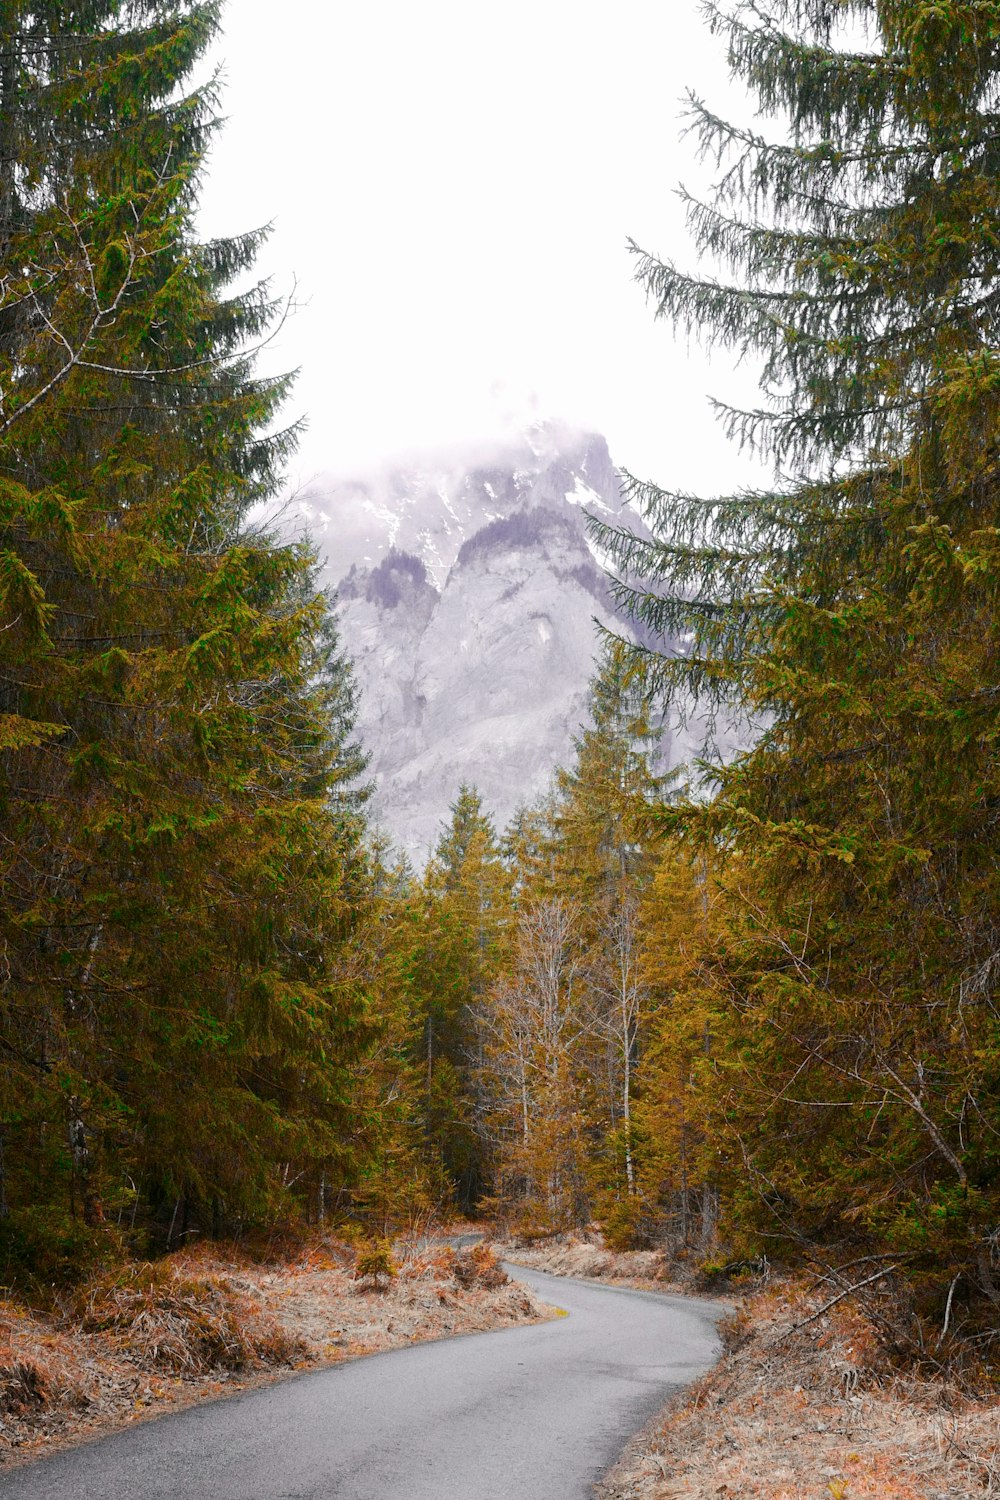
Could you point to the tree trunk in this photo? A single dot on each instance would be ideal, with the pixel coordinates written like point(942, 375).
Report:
point(627, 1101)
point(709, 1214)
point(430, 1055)
point(82, 1176)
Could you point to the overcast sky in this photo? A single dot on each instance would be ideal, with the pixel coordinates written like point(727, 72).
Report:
point(452, 185)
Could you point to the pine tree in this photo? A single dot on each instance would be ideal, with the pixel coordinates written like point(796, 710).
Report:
point(176, 1034)
point(603, 820)
point(467, 895)
point(676, 1124)
point(854, 608)
point(604, 834)
point(402, 1175)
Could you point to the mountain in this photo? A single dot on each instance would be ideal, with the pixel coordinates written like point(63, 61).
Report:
point(430, 507)
point(469, 590)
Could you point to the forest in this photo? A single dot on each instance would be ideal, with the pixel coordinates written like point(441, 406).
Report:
point(750, 1011)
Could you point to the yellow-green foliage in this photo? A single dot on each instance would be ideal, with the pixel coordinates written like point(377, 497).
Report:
point(375, 1264)
point(177, 1027)
point(846, 1091)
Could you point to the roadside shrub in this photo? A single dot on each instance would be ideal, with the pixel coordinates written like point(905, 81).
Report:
point(530, 1232)
point(440, 1262)
point(44, 1249)
point(375, 1265)
point(718, 1275)
point(479, 1267)
point(625, 1225)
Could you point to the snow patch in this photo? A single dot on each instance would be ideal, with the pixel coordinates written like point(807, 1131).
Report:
point(587, 499)
point(390, 518)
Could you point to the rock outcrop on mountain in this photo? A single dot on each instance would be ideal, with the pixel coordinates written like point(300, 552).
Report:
point(470, 599)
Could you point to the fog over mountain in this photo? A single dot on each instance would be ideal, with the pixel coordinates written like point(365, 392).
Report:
point(469, 590)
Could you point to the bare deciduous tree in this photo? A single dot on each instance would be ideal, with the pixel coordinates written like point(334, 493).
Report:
point(533, 1025)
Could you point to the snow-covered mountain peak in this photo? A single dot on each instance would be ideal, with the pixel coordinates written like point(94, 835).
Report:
point(431, 507)
point(469, 586)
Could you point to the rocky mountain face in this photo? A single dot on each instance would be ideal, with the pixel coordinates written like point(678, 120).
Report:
point(469, 592)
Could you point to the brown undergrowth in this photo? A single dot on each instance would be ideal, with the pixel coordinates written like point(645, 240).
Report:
point(586, 1254)
point(146, 1338)
point(808, 1402)
point(807, 1405)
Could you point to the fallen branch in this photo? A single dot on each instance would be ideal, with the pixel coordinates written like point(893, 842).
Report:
point(847, 1292)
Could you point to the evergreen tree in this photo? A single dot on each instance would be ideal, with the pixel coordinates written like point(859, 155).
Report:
point(854, 606)
point(603, 833)
point(529, 847)
point(401, 1176)
point(466, 935)
point(603, 820)
point(675, 1114)
point(176, 1031)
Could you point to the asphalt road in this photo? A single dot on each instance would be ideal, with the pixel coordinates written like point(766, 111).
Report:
point(535, 1413)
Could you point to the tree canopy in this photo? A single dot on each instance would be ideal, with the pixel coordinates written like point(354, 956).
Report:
point(176, 749)
point(853, 608)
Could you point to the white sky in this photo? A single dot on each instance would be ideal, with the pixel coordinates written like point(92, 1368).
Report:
point(452, 186)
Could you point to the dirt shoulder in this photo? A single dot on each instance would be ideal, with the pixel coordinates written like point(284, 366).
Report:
point(201, 1325)
point(804, 1404)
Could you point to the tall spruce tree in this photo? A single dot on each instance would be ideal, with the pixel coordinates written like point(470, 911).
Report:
point(676, 1108)
point(855, 606)
point(603, 832)
point(175, 1030)
point(601, 822)
point(467, 931)
point(402, 1171)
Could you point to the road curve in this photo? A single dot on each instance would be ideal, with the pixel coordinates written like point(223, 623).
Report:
point(535, 1413)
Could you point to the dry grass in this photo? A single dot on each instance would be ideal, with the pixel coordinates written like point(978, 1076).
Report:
point(476, 1267)
point(164, 1318)
point(587, 1255)
point(206, 1322)
point(817, 1412)
point(39, 1367)
point(813, 1413)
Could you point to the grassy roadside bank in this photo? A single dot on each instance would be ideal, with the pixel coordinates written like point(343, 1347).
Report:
point(204, 1323)
point(806, 1403)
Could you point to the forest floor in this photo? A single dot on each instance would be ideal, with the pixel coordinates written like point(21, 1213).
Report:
point(207, 1323)
point(573, 1255)
point(803, 1405)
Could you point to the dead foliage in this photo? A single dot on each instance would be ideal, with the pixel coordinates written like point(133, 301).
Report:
point(212, 1319)
point(587, 1254)
point(807, 1403)
point(168, 1320)
point(38, 1368)
point(479, 1267)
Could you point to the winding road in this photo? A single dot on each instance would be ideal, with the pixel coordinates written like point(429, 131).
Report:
point(537, 1413)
